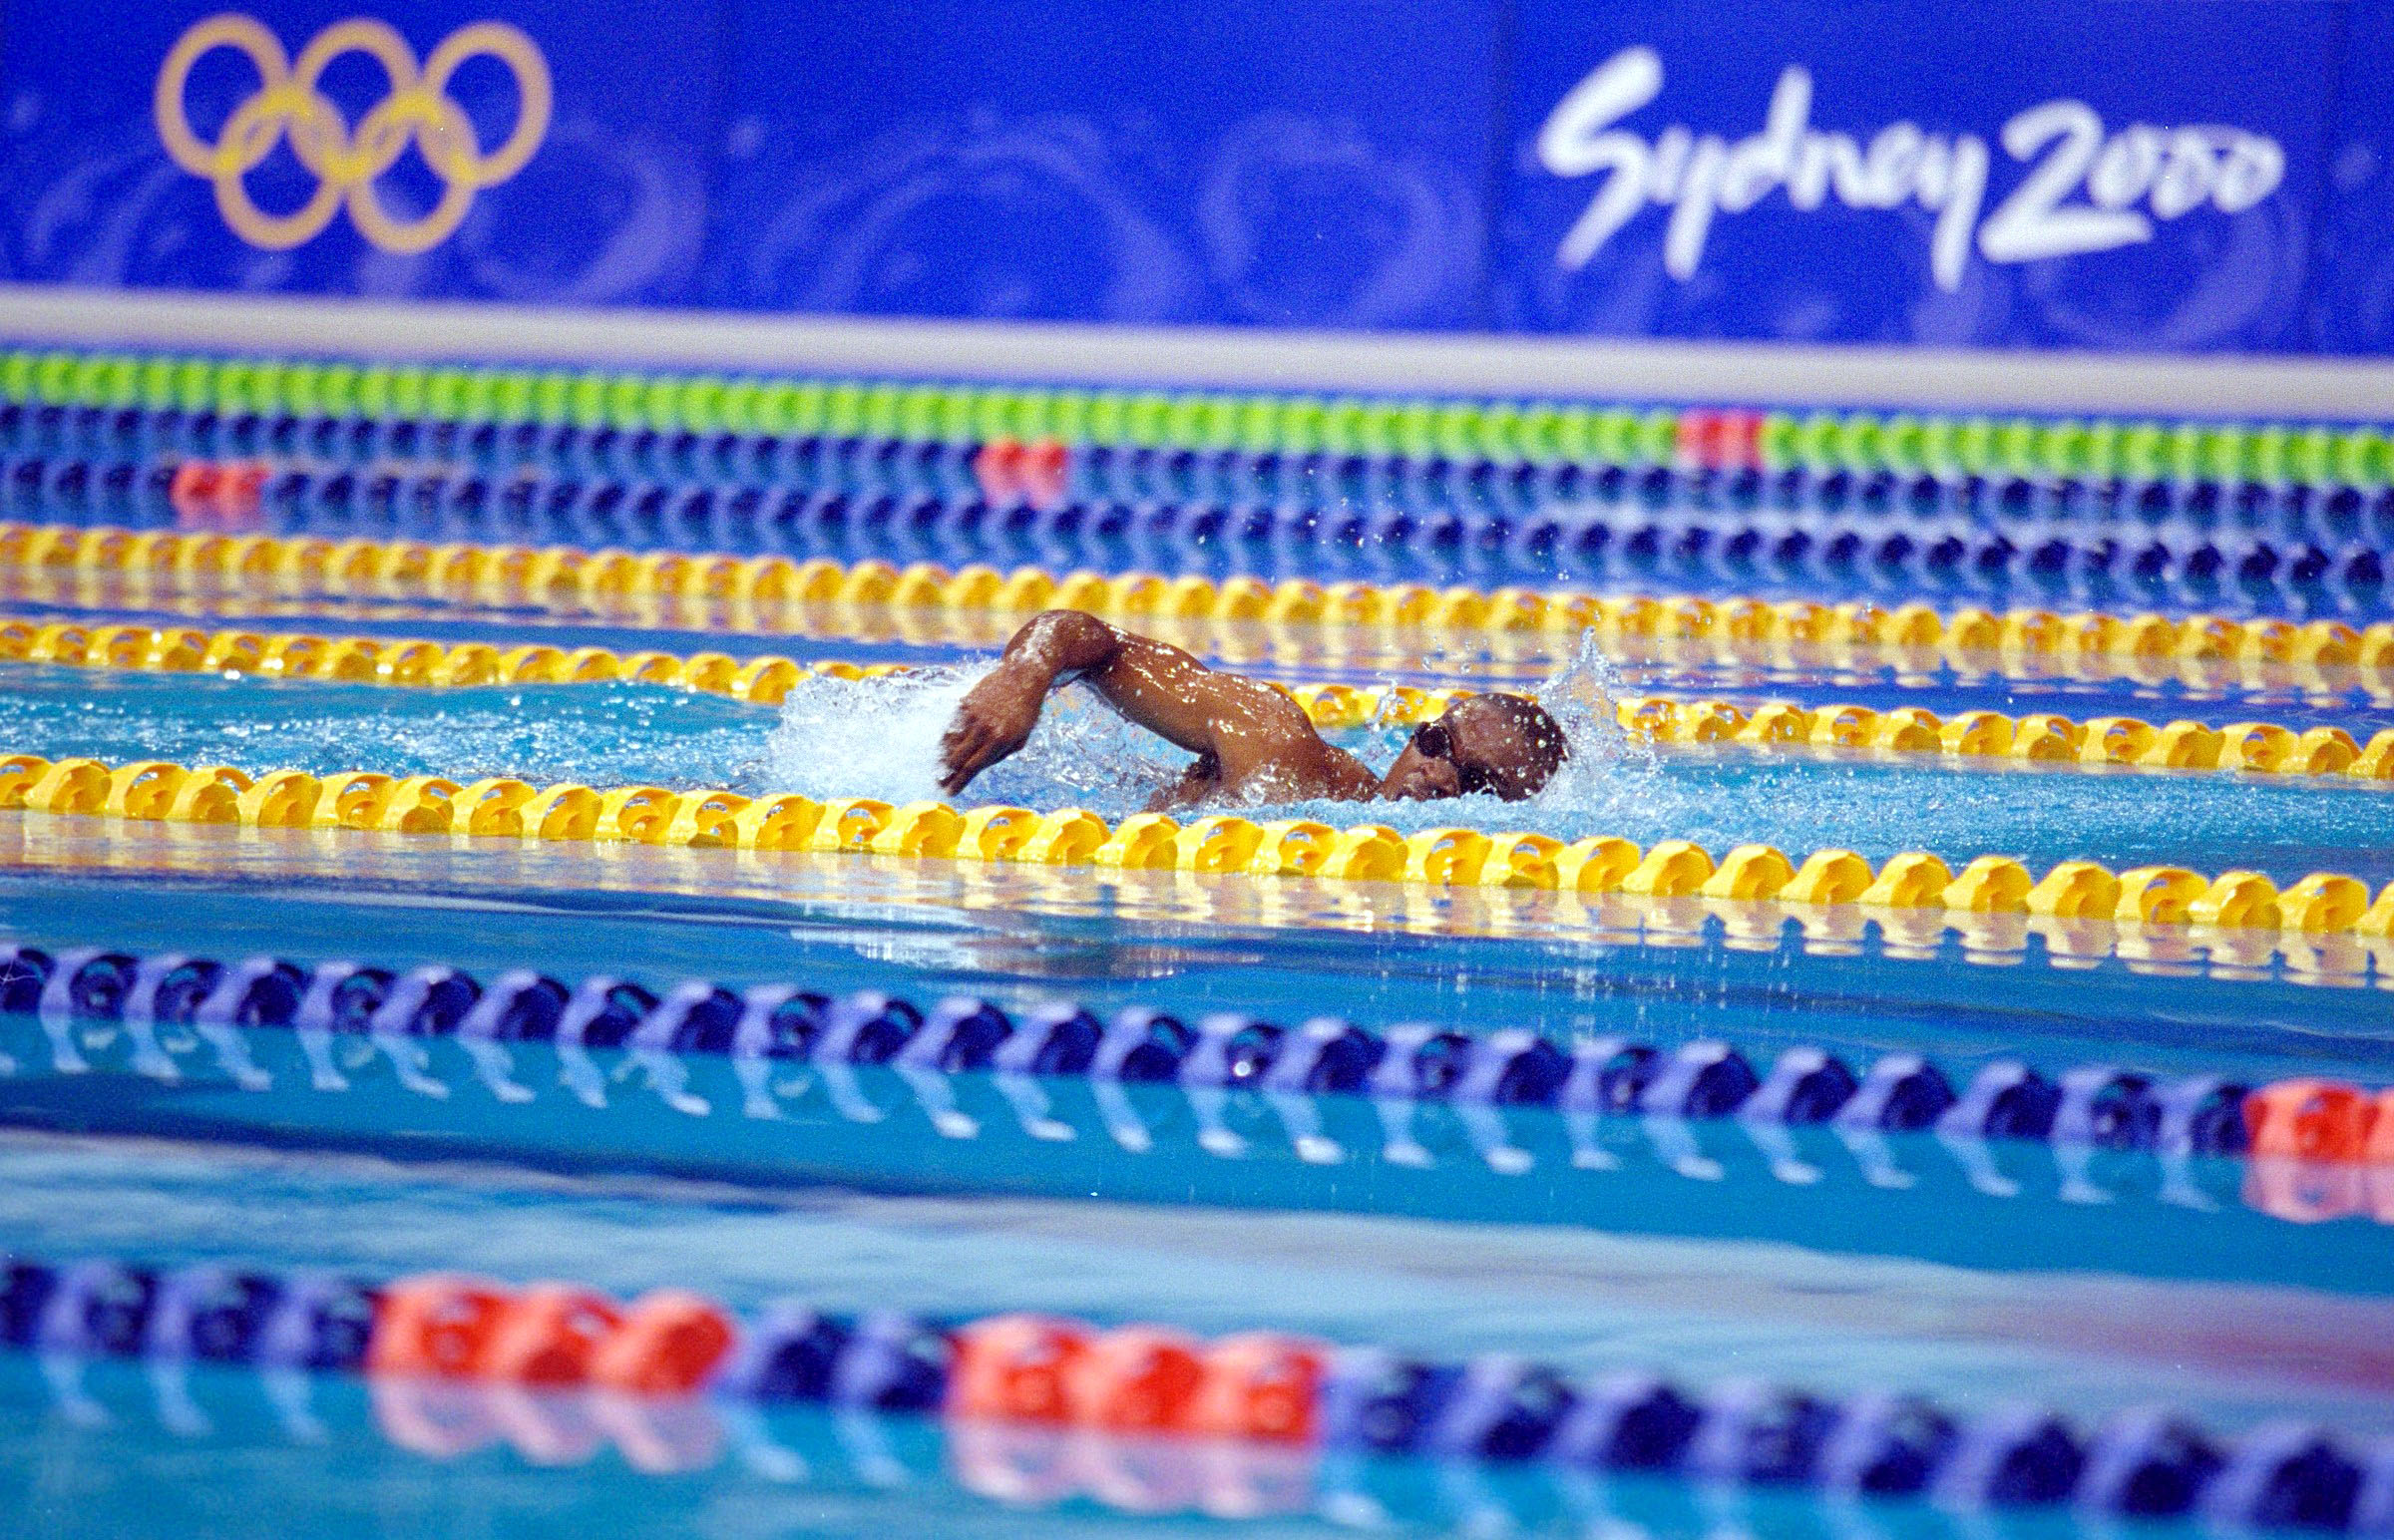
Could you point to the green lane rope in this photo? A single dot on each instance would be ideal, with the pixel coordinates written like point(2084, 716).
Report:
point(1905, 443)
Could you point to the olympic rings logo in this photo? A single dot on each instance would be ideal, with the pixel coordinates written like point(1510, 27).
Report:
point(346, 161)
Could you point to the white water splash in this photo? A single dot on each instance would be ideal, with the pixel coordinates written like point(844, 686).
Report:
point(881, 736)
point(1609, 781)
point(1582, 700)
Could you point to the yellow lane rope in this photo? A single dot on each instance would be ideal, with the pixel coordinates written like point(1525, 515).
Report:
point(565, 579)
point(1997, 938)
point(2041, 737)
point(502, 808)
point(1501, 660)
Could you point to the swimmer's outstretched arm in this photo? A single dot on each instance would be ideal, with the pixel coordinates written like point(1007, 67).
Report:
point(1151, 683)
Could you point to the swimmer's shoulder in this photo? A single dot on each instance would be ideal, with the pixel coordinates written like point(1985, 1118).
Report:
point(1305, 772)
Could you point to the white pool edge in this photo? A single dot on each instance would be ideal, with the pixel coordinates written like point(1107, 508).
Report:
point(2274, 386)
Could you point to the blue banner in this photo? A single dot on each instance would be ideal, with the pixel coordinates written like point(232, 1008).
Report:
point(2092, 174)
point(2352, 301)
point(1241, 161)
point(2172, 175)
point(478, 148)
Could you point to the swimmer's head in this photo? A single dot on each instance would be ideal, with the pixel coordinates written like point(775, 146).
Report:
point(1503, 744)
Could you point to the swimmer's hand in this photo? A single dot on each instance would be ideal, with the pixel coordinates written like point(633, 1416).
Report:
point(997, 717)
point(994, 722)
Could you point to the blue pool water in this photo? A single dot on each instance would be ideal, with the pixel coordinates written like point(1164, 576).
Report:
point(845, 923)
point(878, 737)
point(1710, 1309)
point(238, 1455)
point(2158, 690)
point(1982, 1273)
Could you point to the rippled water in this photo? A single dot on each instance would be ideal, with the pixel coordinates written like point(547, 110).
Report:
point(837, 734)
point(109, 1449)
point(878, 737)
point(2089, 1294)
point(1587, 1300)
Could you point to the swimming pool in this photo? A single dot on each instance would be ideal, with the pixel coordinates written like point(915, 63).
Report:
point(1555, 1124)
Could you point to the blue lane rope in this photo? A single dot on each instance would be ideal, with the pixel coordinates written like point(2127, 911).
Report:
point(2097, 1106)
point(1105, 473)
point(2144, 1463)
point(1795, 528)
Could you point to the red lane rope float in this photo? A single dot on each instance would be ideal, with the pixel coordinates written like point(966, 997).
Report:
point(2320, 1121)
point(1137, 1379)
point(549, 1335)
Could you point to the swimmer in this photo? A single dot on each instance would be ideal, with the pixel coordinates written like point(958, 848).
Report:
point(1254, 744)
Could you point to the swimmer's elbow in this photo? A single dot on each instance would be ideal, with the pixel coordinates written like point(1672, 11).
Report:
point(1073, 640)
point(1069, 623)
